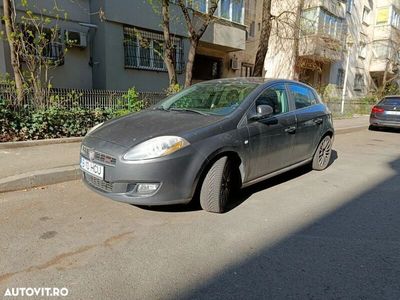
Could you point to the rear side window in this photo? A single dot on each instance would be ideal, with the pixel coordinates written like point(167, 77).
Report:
point(302, 96)
point(390, 101)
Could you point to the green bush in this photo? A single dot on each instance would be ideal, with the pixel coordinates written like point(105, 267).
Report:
point(24, 123)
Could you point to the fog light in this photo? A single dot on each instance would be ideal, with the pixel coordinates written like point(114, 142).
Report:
point(147, 188)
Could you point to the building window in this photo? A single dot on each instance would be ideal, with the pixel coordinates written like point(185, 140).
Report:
point(358, 82)
point(366, 15)
point(331, 25)
point(252, 29)
point(349, 6)
point(381, 49)
point(382, 15)
point(246, 70)
point(340, 78)
point(145, 50)
point(237, 11)
point(309, 21)
point(395, 19)
point(362, 51)
point(319, 20)
point(232, 10)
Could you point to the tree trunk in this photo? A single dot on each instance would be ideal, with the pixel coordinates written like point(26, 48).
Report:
point(384, 80)
point(264, 39)
point(190, 62)
point(296, 42)
point(169, 47)
point(15, 63)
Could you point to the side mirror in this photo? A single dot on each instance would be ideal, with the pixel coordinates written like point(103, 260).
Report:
point(263, 112)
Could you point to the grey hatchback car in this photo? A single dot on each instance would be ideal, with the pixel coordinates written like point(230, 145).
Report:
point(208, 140)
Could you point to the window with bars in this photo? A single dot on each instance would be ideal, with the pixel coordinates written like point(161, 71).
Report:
point(340, 78)
point(145, 50)
point(358, 82)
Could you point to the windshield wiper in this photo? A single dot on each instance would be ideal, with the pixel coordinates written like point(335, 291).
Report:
point(188, 110)
point(161, 108)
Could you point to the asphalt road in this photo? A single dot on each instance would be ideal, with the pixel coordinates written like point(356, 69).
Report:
point(305, 235)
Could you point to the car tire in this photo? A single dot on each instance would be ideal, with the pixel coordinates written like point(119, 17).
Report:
point(217, 185)
point(322, 155)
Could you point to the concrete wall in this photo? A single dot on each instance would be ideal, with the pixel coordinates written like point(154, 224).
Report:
point(109, 71)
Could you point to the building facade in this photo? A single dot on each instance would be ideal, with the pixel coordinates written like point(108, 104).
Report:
point(121, 42)
point(364, 33)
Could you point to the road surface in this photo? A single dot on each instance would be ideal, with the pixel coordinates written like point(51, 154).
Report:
point(304, 235)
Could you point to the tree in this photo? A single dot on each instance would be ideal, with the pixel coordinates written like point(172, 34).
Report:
point(266, 25)
point(9, 22)
point(35, 44)
point(168, 44)
point(296, 43)
point(195, 32)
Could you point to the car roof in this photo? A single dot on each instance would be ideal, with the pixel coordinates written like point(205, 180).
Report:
point(392, 96)
point(256, 80)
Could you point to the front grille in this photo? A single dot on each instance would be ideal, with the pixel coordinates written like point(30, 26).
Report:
point(99, 183)
point(99, 156)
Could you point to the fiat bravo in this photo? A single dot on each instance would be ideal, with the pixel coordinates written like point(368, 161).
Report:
point(208, 140)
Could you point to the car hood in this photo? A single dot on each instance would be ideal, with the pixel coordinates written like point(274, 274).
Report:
point(138, 127)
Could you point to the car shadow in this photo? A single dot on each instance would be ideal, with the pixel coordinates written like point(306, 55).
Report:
point(245, 193)
point(385, 129)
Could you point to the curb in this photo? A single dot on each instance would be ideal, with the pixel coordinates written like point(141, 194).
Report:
point(9, 145)
point(39, 178)
point(350, 129)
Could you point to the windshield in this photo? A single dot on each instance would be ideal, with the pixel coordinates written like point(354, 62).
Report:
point(209, 98)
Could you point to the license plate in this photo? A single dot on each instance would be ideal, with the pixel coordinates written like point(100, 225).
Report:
point(391, 112)
point(92, 168)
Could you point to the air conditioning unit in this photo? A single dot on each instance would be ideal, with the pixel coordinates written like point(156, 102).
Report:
point(76, 38)
point(235, 64)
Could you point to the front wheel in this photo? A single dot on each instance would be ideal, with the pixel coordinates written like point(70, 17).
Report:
point(217, 185)
point(322, 155)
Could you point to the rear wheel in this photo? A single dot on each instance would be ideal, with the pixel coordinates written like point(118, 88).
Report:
point(217, 185)
point(323, 154)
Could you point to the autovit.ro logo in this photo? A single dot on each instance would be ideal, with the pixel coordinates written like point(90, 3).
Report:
point(36, 292)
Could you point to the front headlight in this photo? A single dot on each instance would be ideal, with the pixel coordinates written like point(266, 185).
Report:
point(156, 147)
point(94, 128)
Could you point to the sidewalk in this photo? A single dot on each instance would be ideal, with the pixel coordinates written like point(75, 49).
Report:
point(26, 165)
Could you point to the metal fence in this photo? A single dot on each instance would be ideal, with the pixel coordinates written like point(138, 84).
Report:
point(351, 107)
point(85, 98)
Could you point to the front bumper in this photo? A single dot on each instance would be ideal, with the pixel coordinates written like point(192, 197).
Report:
point(383, 123)
point(176, 175)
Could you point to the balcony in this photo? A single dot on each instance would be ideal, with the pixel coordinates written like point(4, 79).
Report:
point(333, 6)
point(225, 37)
point(386, 32)
point(322, 35)
point(319, 48)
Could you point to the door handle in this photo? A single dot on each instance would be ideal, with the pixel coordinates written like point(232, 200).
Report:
point(291, 129)
point(318, 121)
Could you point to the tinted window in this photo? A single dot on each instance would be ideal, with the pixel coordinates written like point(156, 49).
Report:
point(390, 101)
point(276, 97)
point(303, 96)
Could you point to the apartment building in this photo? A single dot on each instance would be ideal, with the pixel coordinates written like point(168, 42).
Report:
point(120, 42)
point(364, 33)
point(73, 70)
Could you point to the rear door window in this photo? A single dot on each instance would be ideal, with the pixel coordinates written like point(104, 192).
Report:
point(302, 96)
point(391, 101)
